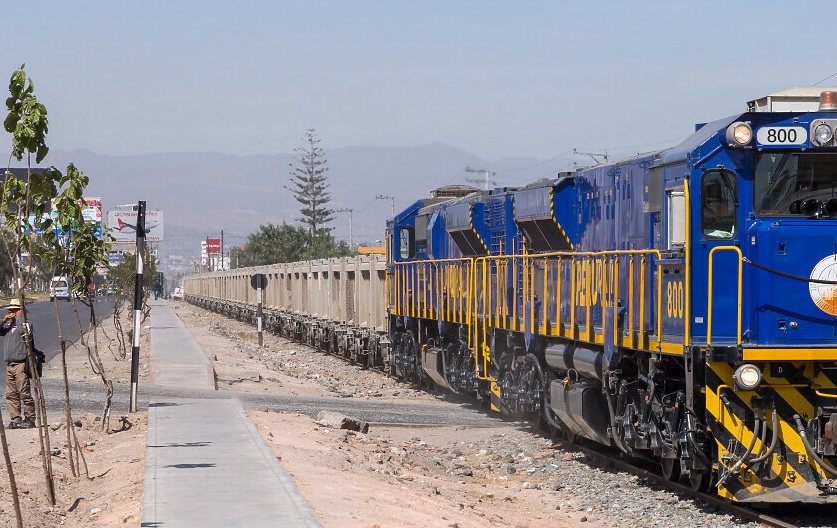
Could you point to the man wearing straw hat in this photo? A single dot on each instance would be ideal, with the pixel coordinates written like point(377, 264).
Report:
point(18, 389)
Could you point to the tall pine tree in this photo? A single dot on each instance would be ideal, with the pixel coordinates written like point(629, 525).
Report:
point(310, 185)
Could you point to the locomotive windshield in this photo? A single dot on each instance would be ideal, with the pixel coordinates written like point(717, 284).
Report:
point(793, 183)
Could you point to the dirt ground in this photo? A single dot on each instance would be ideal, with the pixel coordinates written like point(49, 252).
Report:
point(108, 491)
point(388, 477)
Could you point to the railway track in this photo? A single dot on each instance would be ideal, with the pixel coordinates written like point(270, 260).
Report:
point(606, 460)
point(603, 459)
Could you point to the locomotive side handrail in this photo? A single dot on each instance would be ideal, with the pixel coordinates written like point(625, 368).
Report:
point(495, 295)
point(710, 292)
point(447, 289)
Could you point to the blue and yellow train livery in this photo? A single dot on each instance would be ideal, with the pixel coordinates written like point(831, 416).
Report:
point(679, 304)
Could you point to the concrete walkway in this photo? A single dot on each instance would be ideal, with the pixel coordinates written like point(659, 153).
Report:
point(205, 463)
point(176, 358)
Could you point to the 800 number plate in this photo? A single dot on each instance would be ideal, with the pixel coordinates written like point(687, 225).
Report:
point(782, 136)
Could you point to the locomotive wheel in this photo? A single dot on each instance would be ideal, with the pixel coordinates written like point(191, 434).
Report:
point(413, 355)
point(541, 383)
point(395, 353)
point(671, 468)
point(700, 481)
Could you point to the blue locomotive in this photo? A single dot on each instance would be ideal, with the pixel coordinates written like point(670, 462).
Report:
point(679, 305)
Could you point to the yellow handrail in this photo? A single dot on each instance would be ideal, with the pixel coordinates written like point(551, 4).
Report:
point(449, 288)
point(710, 296)
point(687, 290)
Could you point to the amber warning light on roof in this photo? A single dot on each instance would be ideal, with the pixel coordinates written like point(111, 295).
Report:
point(828, 101)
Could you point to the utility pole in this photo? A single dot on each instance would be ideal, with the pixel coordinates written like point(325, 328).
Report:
point(487, 174)
point(222, 250)
point(391, 201)
point(350, 223)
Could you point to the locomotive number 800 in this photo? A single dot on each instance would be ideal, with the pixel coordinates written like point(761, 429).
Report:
point(674, 299)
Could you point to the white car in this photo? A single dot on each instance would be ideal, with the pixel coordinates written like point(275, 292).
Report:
point(177, 294)
point(59, 288)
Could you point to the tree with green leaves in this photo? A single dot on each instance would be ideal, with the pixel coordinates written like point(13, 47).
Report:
point(286, 243)
point(70, 247)
point(123, 276)
point(272, 244)
point(309, 185)
point(23, 196)
point(6, 272)
point(33, 238)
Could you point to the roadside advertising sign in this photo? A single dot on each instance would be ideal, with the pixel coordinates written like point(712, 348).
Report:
point(122, 226)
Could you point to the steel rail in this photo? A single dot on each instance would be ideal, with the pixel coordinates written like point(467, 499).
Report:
point(677, 487)
point(605, 459)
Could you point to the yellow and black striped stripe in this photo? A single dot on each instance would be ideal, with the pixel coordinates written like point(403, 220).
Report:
point(788, 474)
point(570, 246)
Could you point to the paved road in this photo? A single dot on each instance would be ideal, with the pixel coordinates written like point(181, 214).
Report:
point(89, 397)
point(42, 316)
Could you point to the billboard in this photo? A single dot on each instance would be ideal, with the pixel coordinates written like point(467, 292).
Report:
point(92, 211)
point(122, 225)
point(213, 246)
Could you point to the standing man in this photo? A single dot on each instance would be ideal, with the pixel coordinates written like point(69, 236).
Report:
point(18, 389)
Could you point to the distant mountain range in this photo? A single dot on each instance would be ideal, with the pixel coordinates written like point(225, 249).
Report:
point(204, 193)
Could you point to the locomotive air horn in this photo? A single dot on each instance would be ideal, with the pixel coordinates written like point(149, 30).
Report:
point(830, 208)
point(811, 207)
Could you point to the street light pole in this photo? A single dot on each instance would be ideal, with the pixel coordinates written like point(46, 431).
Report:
point(487, 174)
point(350, 223)
point(391, 199)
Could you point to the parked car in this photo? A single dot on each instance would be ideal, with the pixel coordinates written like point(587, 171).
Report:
point(177, 294)
point(59, 288)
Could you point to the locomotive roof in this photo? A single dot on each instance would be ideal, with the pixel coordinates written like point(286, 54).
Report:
point(796, 99)
point(453, 191)
point(680, 151)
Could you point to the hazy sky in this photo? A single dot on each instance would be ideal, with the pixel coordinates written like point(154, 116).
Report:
point(496, 78)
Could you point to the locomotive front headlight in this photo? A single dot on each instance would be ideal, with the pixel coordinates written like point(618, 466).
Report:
point(739, 134)
point(747, 377)
point(822, 134)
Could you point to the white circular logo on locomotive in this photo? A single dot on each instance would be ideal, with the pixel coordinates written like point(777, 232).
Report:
point(825, 295)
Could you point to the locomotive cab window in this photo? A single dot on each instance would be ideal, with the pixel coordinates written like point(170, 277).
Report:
point(795, 184)
point(676, 200)
point(719, 205)
point(406, 242)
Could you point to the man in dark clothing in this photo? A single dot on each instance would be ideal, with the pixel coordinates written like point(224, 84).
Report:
point(18, 389)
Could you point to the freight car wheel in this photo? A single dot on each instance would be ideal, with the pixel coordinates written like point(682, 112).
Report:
point(331, 344)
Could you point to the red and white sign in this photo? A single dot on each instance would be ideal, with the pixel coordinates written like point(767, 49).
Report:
point(213, 246)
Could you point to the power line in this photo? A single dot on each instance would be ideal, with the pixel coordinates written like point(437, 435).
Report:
point(827, 78)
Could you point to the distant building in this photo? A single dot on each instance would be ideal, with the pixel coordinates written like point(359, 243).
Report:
point(371, 250)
